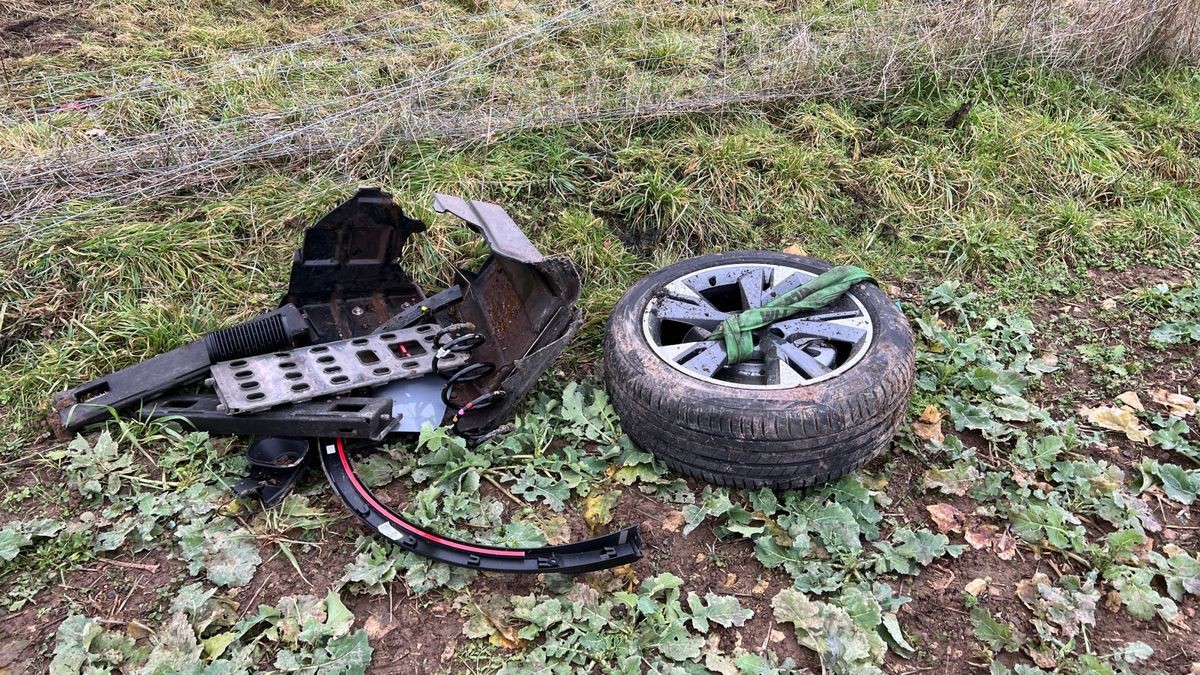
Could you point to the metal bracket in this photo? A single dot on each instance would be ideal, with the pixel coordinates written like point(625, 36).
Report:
point(261, 382)
point(93, 402)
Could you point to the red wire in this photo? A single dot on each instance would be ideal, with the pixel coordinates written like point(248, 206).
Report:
point(362, 491)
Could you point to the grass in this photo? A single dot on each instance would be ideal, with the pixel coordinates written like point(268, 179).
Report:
point(1052, 183)
point(1024, 187)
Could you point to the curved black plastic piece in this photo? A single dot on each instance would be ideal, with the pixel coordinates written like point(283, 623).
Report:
point(276, 464)
point(345, 276)
point(610, 550)
point(277, 452)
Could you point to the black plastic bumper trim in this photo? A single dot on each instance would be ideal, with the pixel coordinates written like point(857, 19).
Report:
point(610, 550)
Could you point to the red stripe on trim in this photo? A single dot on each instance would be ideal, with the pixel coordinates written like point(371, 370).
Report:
point(362, 491)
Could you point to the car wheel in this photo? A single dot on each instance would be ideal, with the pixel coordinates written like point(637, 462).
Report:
point(824, 391)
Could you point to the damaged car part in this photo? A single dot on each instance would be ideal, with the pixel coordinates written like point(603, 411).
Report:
point(276, 464)
point(477, 349)
point(255, 383)
point(522, 301)
point(346, 277)
point(90, 403)
point(369, 418)
point(610, 550)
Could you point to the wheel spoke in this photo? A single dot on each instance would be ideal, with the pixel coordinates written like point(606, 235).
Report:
point(690, 312)
point(794, 328)
point(789, 283)
point(752, 285)
point(801, 360)
point(777, 371)
point(707, 360)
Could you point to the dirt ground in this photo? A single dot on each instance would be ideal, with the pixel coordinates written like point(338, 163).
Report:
point(423, 634)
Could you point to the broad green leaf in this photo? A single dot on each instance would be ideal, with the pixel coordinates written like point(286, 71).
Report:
point(997, 635)
point(1035, 522)
point(174, 646)
point(338, 619)
point(1178, 483)
point(1071, 605)
point(662, 582)
point(347, 655)
point(713, 503)
point(1179, 569)
point(12, 541)
point(1139, 597)
point(894, 636)
point(723, 610)
point(72, 643)
point(923, 546)
point(828, 630)
point(676, 643)
point(862, 607)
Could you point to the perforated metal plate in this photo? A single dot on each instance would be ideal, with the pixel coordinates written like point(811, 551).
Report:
point(261, 382)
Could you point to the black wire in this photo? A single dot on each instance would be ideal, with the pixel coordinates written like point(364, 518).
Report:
point(462, 343)
point(480, 402)
point(470, 373)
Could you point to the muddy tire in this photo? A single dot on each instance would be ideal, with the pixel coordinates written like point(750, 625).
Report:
point(756, 425)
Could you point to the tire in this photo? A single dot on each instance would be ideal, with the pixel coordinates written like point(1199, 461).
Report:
point(759, 437)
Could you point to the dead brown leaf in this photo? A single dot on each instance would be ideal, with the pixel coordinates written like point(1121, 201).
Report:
point(949, 481)
point(673, 521)
point(929, 425)
point(1179, 405)
point(1131, 399)
point(946, 517)
point(506, 637)
point(976, 587)
point(1041, 657)
point(1027, 589)
point(1112, 601)
point(980, 535)
point(1116, 419)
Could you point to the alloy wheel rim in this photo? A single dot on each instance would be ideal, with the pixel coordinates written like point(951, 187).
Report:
point(809, 347)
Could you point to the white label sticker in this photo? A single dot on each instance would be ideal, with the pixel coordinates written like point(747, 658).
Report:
point(390, 532)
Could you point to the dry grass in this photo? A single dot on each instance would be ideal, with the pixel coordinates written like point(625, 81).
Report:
point(347, 94)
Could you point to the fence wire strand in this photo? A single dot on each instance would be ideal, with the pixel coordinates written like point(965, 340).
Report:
point(338, 95)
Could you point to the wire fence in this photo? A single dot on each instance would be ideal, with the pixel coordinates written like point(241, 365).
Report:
point(346, 93)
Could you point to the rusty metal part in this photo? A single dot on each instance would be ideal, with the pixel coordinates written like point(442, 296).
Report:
point(522, 301)
point(346, 277)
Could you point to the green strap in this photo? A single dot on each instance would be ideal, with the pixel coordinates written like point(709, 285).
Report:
point(737, 330)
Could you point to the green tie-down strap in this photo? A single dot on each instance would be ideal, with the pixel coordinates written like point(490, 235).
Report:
point(737, 329)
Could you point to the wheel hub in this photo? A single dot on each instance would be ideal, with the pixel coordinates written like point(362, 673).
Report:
point(810, 346)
